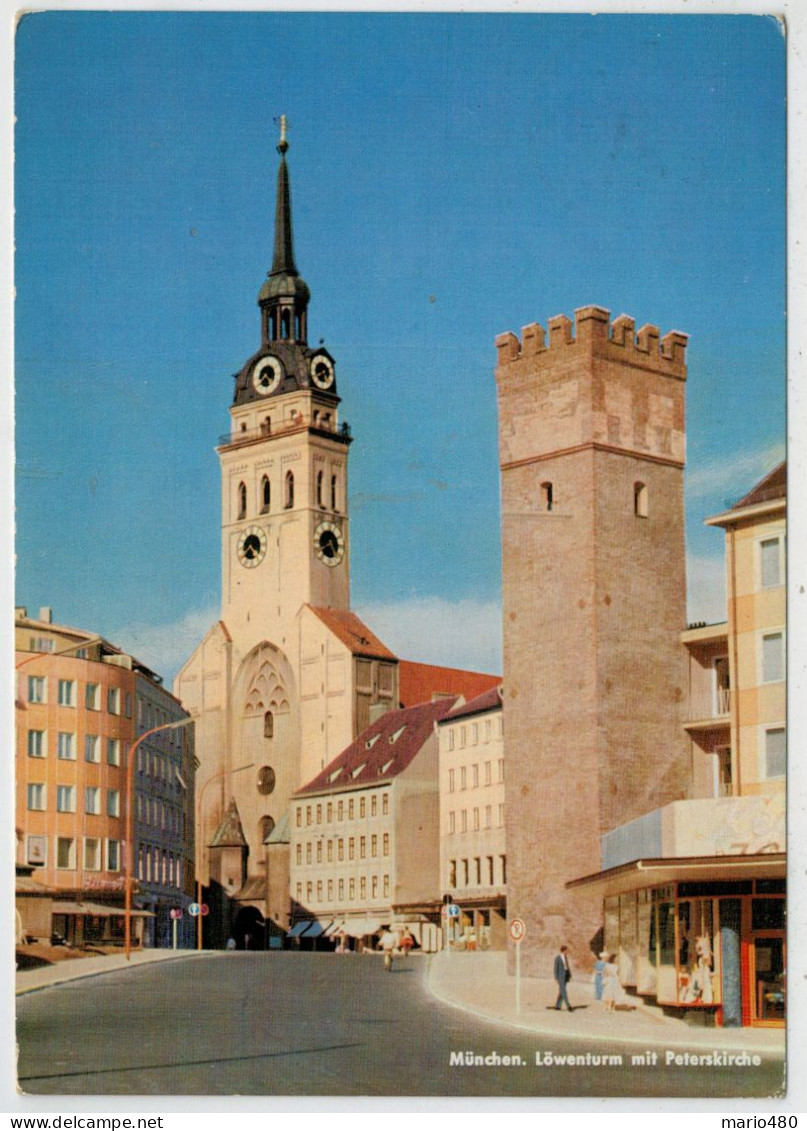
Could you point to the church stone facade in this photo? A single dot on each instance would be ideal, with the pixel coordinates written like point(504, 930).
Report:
point(592, 447)
point(289, 675)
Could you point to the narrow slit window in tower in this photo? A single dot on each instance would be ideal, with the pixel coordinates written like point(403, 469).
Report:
point(289, 490)
point(319, 488)
point(268, 725)
point(640, 500)
point(546, 496)
point(266, 495)
point(242, 500)
point(285, 323)
point(333, 493)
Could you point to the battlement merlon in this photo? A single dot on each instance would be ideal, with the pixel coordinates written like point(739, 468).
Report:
point(593, 331)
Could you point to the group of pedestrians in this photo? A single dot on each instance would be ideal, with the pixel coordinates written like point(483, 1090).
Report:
point(607, 987)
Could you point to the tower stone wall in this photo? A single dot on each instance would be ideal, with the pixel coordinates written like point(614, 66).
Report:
point(591, 438)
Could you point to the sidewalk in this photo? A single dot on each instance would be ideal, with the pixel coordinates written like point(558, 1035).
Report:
point(479, 983)
point(73, 969)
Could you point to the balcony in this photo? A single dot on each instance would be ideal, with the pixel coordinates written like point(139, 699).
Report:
point(712, 713)
point(299, 423)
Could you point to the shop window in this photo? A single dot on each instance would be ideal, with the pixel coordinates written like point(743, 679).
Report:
point(767, 914)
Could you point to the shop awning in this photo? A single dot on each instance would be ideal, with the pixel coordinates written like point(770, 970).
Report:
point(298, 929)
point(683, 869)
point(358, 928)
point(316, 929)
point(333, 929)
point(100, 910)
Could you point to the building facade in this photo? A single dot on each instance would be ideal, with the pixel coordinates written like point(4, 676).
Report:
point(78, 699)
point(473, 850)
point(694, 892)
point(364, 834)
point(591, 445)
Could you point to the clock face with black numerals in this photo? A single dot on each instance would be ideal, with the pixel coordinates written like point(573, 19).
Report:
point(329, 543)
point(251, 547)
point(321, 369)
point(266, 374)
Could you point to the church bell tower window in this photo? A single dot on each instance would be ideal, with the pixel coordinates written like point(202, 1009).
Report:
point(289, 503)
point(319, 488)
point(266, 495)
point(242, 500)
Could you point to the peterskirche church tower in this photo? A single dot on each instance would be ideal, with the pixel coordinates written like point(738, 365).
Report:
point(288, 677)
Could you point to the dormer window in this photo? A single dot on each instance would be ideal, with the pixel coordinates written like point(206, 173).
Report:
point(394, 737)
point(333, 776)
point(355, 773)
point(386, 766)
point(371, 741)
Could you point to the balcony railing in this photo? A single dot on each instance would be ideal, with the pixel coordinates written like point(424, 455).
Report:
point(294, 425)
point(723, 700)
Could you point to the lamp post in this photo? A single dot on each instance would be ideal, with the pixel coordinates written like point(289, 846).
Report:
point(129, 867)
point(199, 852)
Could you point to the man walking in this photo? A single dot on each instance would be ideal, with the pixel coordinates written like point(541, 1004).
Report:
point(563, 974)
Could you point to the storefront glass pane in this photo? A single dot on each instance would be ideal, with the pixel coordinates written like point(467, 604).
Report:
point(769, 977)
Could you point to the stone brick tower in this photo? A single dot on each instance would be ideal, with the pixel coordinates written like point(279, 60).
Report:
point(591, 449)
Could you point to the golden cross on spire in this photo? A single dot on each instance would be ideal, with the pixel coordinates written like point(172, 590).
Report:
point(284, 145)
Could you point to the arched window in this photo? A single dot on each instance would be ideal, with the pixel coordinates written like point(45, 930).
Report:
point(268, 725)
point(319, 488)
point(267, 824)
point(547, 496)
point(640, 500)
point(266, 495)
point(242, 500)
point(289, 503)
point(266, 780)
point(285, 323)
point(333, 493)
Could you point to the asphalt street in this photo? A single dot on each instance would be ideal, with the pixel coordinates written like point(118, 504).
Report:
point(319, 1024)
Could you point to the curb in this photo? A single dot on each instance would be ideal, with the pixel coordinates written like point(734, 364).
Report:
point(78, 975)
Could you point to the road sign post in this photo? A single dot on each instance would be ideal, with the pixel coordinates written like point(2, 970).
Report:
point(517, 931)
point(176, 915)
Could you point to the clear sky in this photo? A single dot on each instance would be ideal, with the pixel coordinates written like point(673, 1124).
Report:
point(453, 176)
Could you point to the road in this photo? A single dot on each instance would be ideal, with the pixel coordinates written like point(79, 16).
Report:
point(311, 1024)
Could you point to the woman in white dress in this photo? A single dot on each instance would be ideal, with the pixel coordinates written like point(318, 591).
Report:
point(611, 990)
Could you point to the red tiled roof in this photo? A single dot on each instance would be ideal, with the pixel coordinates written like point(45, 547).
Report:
point(417, 683)
point(382, 751)
point(773, 486)
point(487, 701)
point(354, 633)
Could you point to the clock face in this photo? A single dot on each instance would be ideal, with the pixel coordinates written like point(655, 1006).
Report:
point(266, 374)
point(252, 547)
point(321, 370)
point(329, 543)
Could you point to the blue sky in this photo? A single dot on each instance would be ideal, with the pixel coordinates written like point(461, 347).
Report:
point(453, 177)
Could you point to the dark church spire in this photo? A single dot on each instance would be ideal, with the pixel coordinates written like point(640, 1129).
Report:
point(284, 296)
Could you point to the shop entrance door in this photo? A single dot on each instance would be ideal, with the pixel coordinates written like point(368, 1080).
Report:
point(768, 979)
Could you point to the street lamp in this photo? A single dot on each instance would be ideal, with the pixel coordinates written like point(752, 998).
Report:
point(199, 854)
point(129, 867)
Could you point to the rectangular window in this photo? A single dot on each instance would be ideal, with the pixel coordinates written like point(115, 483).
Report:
point(319, 851)
point(299, 854)
point(65, 852)
point(340, 811)
point(463, 782)
point(374, 845)
point(308, 852)
point(299, 893)
point(319, 891)
point(363, 887)
point(36, 796)
point(490, 869)
point(501, 816)
point(450, 738)
point(308, 817)
point(341, 889)
point(450, 781)
point(452, 873)
point(340, 849)
point(351, 849)
point(350, 809)
point(37, 746)
point(113, 856)
point(374, 890)
point(113, 803)
point(128, 707)
point(488, 729)
point(386, 885)
point(92, 748)
point(474, 734)
point(452, 822)
point(351, 888)
point(362, 807)
point(503, 860)
point(113, 751)
point(476, 820)
point(477, 870)
point(463, 737)
point(330, 890)
point(362, 847)
point(67, 693)
point(330, 851)
point(37, 851)
point(66, 747)
point(299, 816)
point(36, 689)
point(773, 657)
point(775, 752)
point(330, 810)
point(92, 696)
point(501, 769)
point(65, 799)
point(386, 844)
point(309, 890)
point(92, 800)
point(464, 821)
point(488, 816)
point(319, 814)
point(385, 804)
point(770, 563)
point(374, 806)
point(113, 701)
point(474, 776)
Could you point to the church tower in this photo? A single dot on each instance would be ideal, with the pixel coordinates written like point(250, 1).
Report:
point(284, 464)
point(591, 447)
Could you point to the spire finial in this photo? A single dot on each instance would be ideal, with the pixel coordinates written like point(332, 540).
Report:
point(283, 145)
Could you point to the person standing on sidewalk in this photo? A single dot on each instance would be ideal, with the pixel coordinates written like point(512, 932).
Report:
point(563, 975)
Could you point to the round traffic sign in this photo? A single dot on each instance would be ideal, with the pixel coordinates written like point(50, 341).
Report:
point(517, 929)
point(204, 909)
point(453, 911)
point(176, 913)
point(194, 909)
